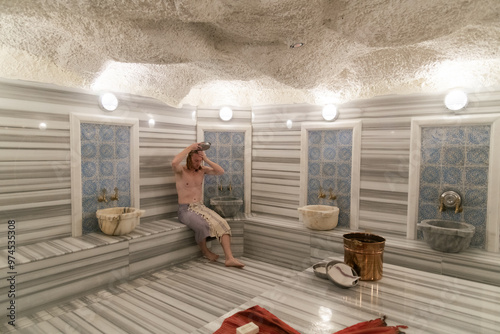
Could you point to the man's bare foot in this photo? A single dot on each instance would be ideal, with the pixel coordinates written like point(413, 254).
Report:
point(234, 263)
point(211, 256)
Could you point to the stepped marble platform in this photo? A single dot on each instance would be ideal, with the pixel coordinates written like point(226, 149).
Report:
point(58, 269)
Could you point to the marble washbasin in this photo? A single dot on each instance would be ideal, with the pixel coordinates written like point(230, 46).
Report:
point(319, 217)
point(119, 220)
point(226, 206)
point(446, 235)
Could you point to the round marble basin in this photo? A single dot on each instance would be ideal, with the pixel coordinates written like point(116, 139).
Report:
point(319, 217)
point(446, 235)
point(119, 220)
point(226, 206)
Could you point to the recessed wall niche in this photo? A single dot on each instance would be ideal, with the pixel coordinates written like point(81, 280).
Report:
point(330, 159)
point(456, 153)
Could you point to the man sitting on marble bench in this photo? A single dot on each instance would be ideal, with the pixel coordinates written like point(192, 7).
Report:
point(203, 221)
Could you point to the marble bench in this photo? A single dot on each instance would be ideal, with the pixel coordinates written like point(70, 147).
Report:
point(53, 270)
point(286, 242)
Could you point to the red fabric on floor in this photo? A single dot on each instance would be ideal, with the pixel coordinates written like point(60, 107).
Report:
point(268, 323)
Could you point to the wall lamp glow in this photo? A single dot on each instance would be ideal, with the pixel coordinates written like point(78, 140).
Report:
point(108, 101)
point(456, 100)
point(42, 126)
point(330, 112)
point(151, 122)
point(289, 124)
point(226, 113)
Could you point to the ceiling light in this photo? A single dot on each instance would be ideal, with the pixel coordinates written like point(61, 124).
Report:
point(456, 100)
point(330, 112)
point(296, 45)
point(108, 101)
point(226, 113)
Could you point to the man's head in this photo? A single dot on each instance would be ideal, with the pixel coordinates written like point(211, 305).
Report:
point(193, 161)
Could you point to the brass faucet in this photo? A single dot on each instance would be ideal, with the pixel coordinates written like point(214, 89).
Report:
point(450, 199)
point(114, 197)
point(332, 196)
point(102, 198)
point(230, 188)
point(321, 193)
point(441, 204)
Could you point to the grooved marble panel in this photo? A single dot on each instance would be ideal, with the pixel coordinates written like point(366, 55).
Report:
point(276, 241)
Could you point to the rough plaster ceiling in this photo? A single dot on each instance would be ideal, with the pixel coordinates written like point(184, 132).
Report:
point(229, 52)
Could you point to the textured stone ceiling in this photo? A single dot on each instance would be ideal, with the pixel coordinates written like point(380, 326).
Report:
point(230, 52)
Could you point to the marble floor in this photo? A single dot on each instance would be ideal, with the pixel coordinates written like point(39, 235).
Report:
point(196, 296)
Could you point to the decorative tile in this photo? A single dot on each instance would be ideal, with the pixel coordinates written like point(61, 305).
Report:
point(314, 153)
point(477, 176)
point(345, 154)
point(431, 174)
point(431, 155)
point(329, 169)
point(478, 135)
point(314, 137)
point(329, 153)
point(314, 169)
point(345, 137)
point(475, 197)
point(455, 136)
point(429, 193)
point(452, 175)
point(453, 155)
point(478, 156)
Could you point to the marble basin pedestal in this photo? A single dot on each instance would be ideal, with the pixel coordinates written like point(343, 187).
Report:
point(446, 235)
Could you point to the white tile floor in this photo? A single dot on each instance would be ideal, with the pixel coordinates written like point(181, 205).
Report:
point(196, 296)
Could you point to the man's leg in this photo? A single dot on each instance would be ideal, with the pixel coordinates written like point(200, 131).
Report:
point(207, 252)
point(226, 246)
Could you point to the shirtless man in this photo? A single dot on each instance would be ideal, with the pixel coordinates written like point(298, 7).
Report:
point(203, 221)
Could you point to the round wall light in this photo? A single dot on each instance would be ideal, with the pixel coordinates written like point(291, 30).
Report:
point(108, 101)
point(289, 124)
point(330, 112)
point(151, 122)
point(42, 126)
point(226, 113)
point(456, 100)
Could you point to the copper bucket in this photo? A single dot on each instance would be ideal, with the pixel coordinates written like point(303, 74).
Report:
point(364, 253)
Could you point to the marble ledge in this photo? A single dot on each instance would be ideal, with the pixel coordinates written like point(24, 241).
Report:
point(58, 247)
point(474, 264)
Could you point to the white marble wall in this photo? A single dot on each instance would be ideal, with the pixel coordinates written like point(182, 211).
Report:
point(35, 163)
point(385, 153)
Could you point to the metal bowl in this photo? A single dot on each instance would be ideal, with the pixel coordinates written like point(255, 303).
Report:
point(204, 146)
point(342, 275)
point(320, 269)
